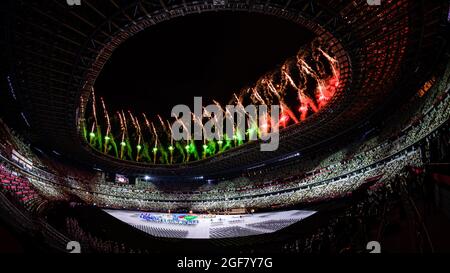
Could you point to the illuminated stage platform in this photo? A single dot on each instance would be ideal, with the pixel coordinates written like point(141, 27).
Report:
point(203, 226)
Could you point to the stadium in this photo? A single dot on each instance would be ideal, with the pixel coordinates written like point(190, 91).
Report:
point(360, 102)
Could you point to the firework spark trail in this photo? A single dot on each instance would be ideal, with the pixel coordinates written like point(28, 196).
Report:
point(125, 124)
point(326, 87)
point(220, 132)
point(108, 126)
point(133, 122)
point(306, 102)
point(303, 66)
point(138, 131)
point(122, 132)
point(198, 120)
point(163, 126)
point(257, 97)
point(251, 119)
point(136, 126)
point(92, 129)
point(264, 125)
point(132, 118)
point(150, 129)
point(268, 85)
point(153, 133)
point(285, 110)
point(139, 146)
point(330, 59)
point(127, 138)
point(171, 132)
point(334, 82)
point(122, 126)
point(215, 117)
point(261, 93)
point(156, 134)
point(147, 123)
point(228, 115)
point(108, 123)
point(94, 110)
point(155, 148)
point(237, 99)
point(171, 147)
point(239, 121)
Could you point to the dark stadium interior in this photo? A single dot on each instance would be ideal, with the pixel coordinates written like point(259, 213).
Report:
point(364, 139)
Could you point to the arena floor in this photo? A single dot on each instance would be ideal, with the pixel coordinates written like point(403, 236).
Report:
point(201, 226)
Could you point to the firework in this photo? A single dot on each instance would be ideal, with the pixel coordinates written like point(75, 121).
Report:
point(301, 86)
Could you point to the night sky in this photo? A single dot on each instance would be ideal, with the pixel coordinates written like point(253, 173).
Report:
point(210, 55)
